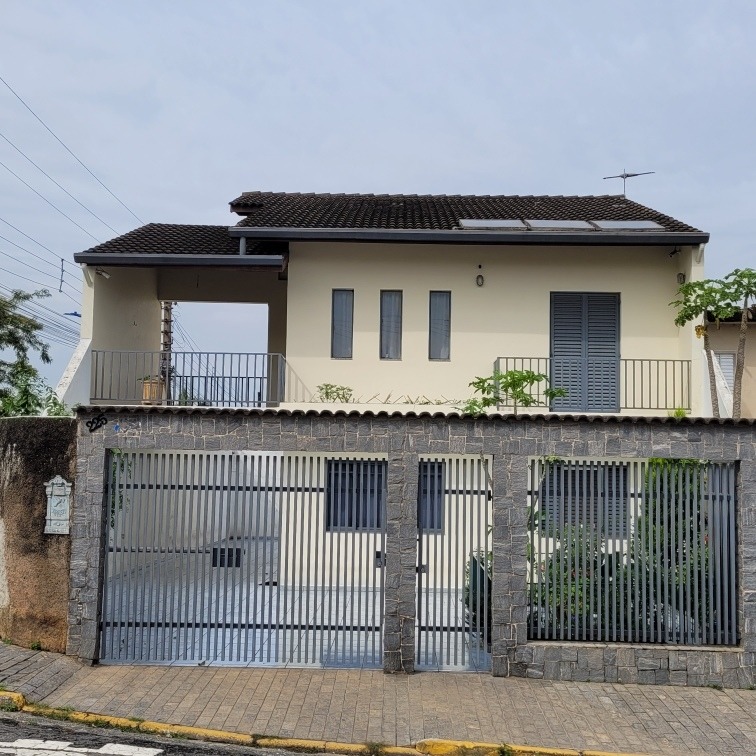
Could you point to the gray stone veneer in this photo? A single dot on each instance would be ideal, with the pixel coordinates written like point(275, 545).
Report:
point(511, 442)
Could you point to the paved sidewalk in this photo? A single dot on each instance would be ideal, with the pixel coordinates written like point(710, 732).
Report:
point(360, 706)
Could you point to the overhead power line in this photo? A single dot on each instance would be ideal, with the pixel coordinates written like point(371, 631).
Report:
point(68, 150)
point(77, 279)
point(37, 304)
point(37, 283)
point(38, 243)
point(62, 188)
point(37, 270)
point(60, 332)
point(52, 205)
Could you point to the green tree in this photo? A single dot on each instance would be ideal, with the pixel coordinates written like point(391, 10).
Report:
point(741, 289)
point(719, 299)
point(696, 301)
point(22, 392)
point(515, 387)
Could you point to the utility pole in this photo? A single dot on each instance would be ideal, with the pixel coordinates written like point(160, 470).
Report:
point(166, 346)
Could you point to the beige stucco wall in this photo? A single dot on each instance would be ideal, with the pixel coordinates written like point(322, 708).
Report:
point(124, 311)
point(507, 316)
point(725, 339)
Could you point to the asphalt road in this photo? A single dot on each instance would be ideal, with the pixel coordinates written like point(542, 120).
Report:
point(16, 726)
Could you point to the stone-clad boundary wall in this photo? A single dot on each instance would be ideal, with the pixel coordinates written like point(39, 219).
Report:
point(510, 442)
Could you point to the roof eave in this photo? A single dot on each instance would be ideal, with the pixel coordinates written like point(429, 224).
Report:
point(459, 236)
point(275, 262)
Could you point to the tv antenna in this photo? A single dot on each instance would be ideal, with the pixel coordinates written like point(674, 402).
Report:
point(625, 176)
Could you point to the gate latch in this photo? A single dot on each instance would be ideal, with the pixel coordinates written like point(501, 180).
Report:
point(422, 569)
point(380, 559)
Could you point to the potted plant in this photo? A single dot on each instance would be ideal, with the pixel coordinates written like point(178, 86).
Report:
point(153, 389)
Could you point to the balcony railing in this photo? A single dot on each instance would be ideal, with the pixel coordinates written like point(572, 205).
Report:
point(211, 379)
point(627, 384)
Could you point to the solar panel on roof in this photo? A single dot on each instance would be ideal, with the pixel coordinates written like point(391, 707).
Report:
point(559, 225)
point(628, 225)
point(504, 223)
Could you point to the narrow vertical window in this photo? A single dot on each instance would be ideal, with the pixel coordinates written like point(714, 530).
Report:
point(342, 324)
point(439, 325)
point(391, 325)
point(430, 496)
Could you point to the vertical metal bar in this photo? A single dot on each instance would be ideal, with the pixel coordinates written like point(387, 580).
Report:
point(259, 488)
point(717, 537)
point(368, 475)
point(270, 481)
point(312, 483)
point(644, 519)
point(154, 535)
point(688, 564)
point(305, 530)
point(171, 555)
point(204, 552)
point(633, 519)
point(192, 559)
point(215, 540)
point(327, 560)
point(552, 521)
point(458, 632)
point(698, 552)
point(273, 595)
point(452, 566)
point(313, 533)
point(287, 515)
point(435, 591)
point(230, 486)
point(144, 515)
point(732, 635)
point(674, 544)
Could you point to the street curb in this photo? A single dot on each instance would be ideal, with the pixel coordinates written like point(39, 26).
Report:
point(427, 747)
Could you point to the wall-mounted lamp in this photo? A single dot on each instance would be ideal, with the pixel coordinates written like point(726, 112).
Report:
point(681, 278)
point(675, 251)
point(101, 272)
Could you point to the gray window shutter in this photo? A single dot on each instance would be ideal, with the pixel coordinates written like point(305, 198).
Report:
point(567, 351)
point(602, 352)
point(585, 357)
point(726, 362)
point(391, 325)
point(439, 325)
point(342, 323)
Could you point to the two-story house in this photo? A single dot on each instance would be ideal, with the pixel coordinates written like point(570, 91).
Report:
point(402, 300)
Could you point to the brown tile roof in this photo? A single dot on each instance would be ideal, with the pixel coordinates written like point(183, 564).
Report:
point(431, 212)
point(171, 239)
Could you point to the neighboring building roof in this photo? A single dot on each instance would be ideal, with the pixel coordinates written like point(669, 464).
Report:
point(735, 319)
point(434, 212)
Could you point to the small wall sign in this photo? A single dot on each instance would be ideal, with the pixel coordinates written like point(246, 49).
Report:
point(58, 505)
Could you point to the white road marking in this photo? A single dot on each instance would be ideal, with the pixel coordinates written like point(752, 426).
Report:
point(32, 747)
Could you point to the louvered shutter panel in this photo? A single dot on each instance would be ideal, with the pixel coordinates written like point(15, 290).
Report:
point(727, 364)
point(602, 352)
point(567, 354)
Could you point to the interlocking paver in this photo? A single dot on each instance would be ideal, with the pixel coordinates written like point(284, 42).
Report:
point(366, 705)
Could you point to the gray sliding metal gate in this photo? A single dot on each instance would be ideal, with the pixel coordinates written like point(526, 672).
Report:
point(243, 558)
point(639, 551)
point(453, 626)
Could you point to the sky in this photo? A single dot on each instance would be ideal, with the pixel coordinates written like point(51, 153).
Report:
point(178, 108)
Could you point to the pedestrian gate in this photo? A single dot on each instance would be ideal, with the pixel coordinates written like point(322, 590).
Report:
point(246, 557)
point(453, 625)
